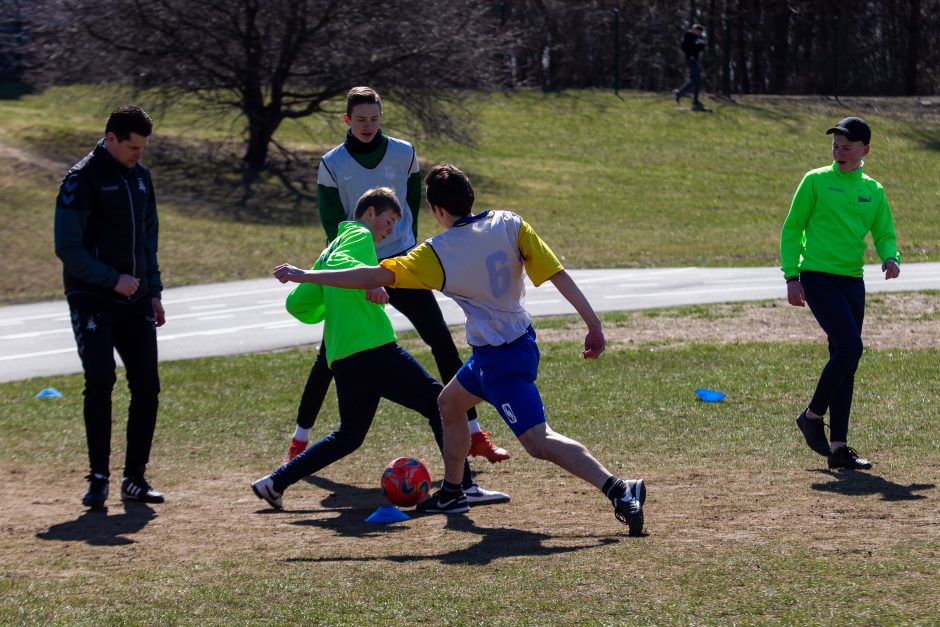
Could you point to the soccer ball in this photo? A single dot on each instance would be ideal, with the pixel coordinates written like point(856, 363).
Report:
point(405, 482)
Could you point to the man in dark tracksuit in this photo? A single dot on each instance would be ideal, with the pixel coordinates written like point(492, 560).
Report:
point(106, 236)
point(693, 42)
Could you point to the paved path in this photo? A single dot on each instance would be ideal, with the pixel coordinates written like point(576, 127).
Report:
point(249, 316)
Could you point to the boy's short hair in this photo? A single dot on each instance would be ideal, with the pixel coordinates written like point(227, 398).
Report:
point(128, 119)
point(696, 27)
point(854, 129)
point(450, 189)
point(362, 95)
point(382, 198)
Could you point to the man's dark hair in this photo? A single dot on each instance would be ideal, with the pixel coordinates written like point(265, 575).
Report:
point(362, 95)
point(128, 119)
point(450, 189)
point(382, 198)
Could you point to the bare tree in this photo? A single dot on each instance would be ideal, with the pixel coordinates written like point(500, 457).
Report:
point(273, 60)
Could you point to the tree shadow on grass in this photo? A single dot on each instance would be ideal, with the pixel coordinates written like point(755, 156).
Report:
point(97, 528)
point(854, 483)
point(352, 505)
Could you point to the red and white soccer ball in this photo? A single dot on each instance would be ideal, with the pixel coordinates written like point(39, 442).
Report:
point(406, 482)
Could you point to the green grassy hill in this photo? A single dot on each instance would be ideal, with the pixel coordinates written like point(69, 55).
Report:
point(608, 181)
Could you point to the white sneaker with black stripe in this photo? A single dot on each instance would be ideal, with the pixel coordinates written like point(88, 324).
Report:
point(137, 489)
point(481, 496)
point(264, 490)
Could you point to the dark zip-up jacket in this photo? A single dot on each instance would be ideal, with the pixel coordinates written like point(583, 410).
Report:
point(692, 45)
point(105, 226)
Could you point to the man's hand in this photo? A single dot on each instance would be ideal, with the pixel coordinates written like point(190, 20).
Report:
point(795, 294)
point(891, 268)
point(159, 316)
point(286, 273)
point(594, 344)
point(377, 295)
point(127, 285)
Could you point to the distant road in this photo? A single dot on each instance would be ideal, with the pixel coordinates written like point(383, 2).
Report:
point(248, 316)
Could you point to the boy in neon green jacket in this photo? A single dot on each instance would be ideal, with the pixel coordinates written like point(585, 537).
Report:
point(360, 347)
point(822, 251)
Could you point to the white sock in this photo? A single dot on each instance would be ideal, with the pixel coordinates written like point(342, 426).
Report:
point(474, 426)
point(99, 476)
point(301, 434)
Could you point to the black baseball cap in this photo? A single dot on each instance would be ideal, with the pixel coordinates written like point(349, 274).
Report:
point(854, 129)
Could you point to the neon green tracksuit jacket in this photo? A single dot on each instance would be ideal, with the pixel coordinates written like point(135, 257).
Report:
point(831, 213)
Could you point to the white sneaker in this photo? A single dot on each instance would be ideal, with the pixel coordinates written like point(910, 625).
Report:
point(479, 496)
point(264, 489)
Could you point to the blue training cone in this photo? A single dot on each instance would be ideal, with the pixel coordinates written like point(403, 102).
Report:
point(387, 514)
point(710, 396)
point(49, 393)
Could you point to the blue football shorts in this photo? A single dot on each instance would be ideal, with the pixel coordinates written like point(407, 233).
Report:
point(504, 376)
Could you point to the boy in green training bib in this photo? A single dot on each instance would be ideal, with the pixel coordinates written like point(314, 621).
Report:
point(360, 348)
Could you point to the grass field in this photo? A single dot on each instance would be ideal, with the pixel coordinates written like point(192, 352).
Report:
point(670, 187)
point(746, 526)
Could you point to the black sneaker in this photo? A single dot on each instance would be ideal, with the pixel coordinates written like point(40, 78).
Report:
point(444, 503)
point(813, 430)
point(629, 508)
point(137, 489)
point(846, 457)
point(97, 491)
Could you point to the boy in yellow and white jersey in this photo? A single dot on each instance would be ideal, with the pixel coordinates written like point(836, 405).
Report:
point(479, 261)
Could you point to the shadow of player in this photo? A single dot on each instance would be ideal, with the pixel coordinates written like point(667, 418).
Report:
point(495, 542)
point(855, 483)
point(97, 528)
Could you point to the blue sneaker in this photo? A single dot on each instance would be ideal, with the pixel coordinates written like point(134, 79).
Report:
point(97, 492)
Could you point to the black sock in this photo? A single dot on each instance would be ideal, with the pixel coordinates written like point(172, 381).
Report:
point(614, 487)
point(453, 488)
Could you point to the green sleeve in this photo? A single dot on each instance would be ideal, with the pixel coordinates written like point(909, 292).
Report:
point(882, 232)
point(331, 210)
point(306, 303)
point(414, 199)
point(793, 234)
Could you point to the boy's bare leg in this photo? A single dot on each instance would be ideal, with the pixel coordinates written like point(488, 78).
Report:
point(454, 402)
point(543, 443)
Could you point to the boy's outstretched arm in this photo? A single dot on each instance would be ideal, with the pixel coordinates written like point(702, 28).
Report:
point(362, 278)
point(594, 341)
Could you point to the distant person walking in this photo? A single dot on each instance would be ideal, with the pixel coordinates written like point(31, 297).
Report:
point(822, 250)
point(106, 236)
point(693, 42)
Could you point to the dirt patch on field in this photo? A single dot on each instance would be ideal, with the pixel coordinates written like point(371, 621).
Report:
point(909, 320)
point(47, 533)
point(693, 514)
